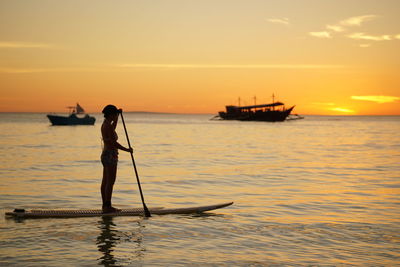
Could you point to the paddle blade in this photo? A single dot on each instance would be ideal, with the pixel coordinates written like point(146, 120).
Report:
point(146, 211)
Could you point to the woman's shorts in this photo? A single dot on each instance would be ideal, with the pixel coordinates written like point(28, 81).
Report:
point(109, 157)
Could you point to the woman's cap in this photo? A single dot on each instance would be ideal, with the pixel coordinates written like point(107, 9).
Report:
point(110, 109)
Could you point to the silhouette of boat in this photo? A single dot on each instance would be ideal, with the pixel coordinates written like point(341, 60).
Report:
point(263, 112)
point(73, 118)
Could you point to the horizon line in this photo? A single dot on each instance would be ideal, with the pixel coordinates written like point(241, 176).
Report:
point(188, 113)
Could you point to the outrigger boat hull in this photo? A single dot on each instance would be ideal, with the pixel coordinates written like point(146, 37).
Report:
point(251, 113)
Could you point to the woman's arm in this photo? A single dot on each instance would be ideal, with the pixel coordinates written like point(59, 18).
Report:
point(110, 140)
point(114, 123)
point(119, 146)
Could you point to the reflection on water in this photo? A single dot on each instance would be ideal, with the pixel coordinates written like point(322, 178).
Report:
point(106, 241)
point(319, 191)
point(110, 237)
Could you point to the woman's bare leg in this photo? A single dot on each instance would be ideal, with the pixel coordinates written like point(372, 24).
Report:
point(107, 186)
point(103, 185)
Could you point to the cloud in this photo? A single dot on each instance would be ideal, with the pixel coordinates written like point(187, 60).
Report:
point(332, 107)
point(349, 22)
point(48, 70)
point(335, 28)
point(344, 25)
point(323, 34)
point(344, 110)
point(324, 103)
point(357, 21)
point(25, 45)
point(228, 66)
point(380, 99)
point(284, 21)
point(363, 36)
point(125, 67)
point(24, 70)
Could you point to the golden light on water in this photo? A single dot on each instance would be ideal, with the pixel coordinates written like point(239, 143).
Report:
point(322, 190)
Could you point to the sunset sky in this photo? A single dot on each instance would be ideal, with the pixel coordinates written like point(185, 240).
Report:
point(333, 57)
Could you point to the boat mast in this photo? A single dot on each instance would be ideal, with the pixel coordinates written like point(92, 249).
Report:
point(273, 101)
point(239, 101)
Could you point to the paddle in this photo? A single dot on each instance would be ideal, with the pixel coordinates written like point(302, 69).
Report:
point(146, 210)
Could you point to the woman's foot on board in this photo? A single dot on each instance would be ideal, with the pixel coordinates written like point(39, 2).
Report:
point(110, 210)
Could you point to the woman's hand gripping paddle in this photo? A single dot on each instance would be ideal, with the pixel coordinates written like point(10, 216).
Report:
point(146, 210)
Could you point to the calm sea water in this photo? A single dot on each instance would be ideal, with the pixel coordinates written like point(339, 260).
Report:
point(323, 191)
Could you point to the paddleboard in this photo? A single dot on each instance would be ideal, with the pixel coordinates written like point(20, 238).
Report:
point(22, 213)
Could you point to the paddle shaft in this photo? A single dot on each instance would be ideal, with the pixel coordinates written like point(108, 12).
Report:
point(146, 210)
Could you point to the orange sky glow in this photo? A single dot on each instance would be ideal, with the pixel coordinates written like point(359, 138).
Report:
point(332, 57)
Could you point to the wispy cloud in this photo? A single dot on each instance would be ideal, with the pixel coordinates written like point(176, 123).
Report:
point(323, 34)
point(22, 70)
point(363, 36)
point(342, 25)
point(377, 98)
point(56, 69)
point(284, 21)
point(324, 103)
point(332, 107)
point(128, 67)
point(229, 66)
point(343, 110)
point(335, 28)
point(25, 45)
point(357, 21)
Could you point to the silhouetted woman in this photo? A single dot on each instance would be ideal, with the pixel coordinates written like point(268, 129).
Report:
point(109, 156)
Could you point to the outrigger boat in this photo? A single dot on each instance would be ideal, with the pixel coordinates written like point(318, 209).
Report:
point(263, 112)
point(72, 119)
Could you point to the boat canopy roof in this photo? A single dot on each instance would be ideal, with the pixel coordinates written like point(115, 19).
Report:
point(261, 106)
point(77, 109)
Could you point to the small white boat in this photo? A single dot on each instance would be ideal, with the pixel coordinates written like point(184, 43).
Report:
point(73, 118)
